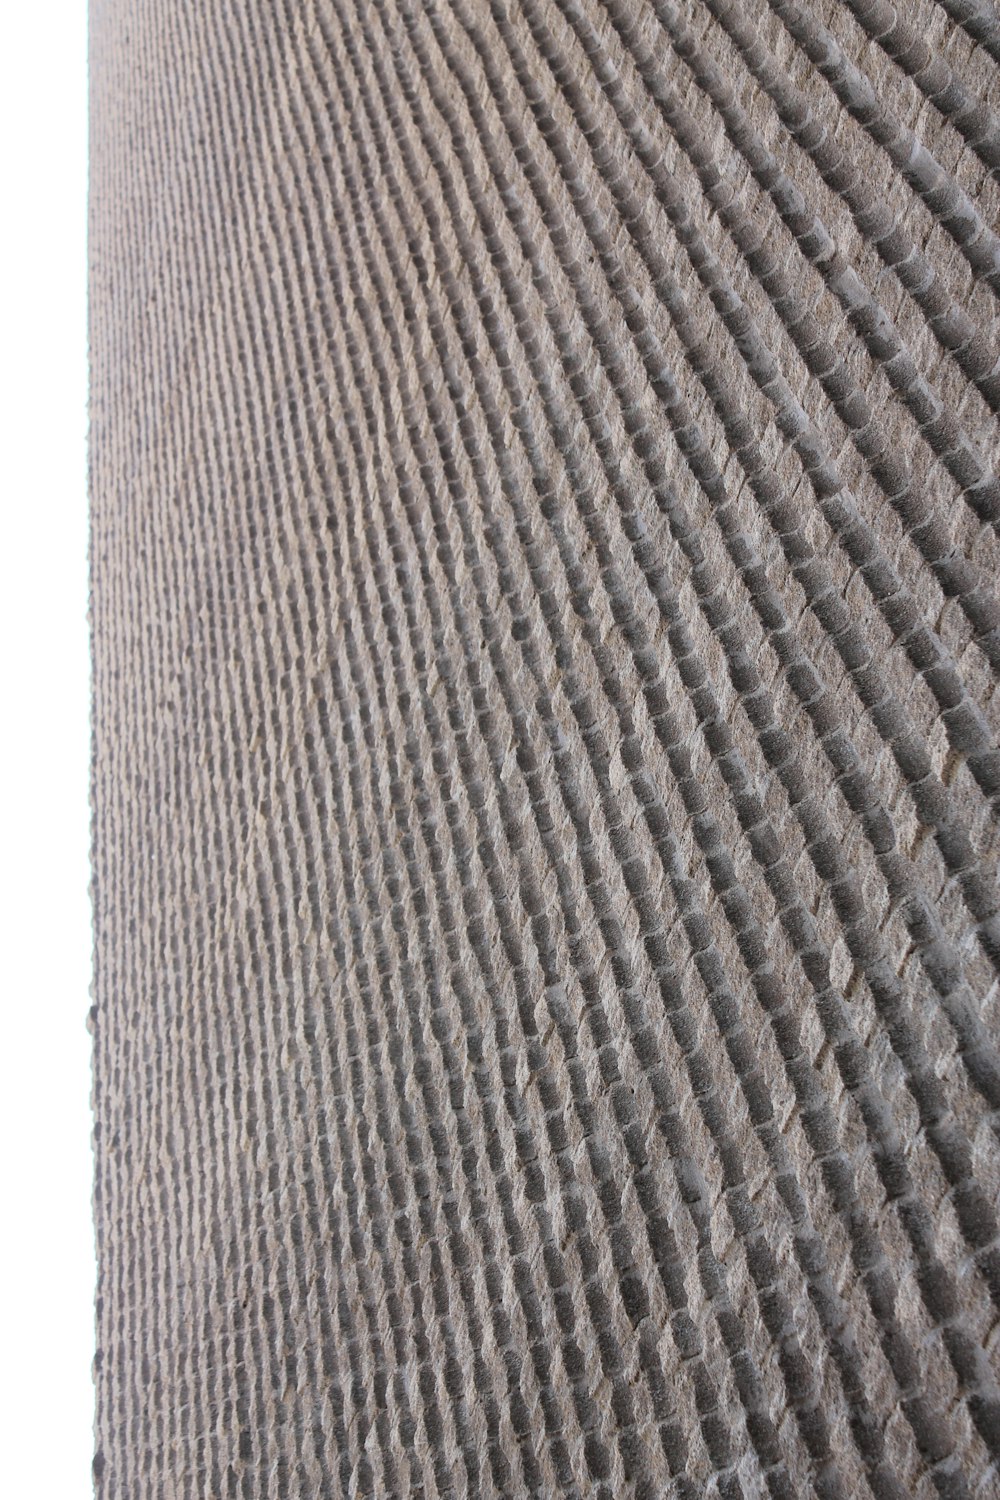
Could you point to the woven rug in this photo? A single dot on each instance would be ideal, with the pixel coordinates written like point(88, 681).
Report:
point(546, 622)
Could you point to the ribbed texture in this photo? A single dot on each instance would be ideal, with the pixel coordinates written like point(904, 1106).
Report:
point(546, 623)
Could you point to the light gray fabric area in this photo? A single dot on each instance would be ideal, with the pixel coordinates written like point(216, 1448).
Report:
point(546, 623)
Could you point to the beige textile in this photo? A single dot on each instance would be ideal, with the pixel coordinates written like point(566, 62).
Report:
point(546, 625)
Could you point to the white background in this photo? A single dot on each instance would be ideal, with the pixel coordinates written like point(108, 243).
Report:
point(46, 1240)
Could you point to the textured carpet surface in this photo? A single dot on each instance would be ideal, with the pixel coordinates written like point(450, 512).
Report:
point(546, 622)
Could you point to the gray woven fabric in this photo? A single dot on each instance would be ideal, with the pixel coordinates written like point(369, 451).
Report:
point(546, 623)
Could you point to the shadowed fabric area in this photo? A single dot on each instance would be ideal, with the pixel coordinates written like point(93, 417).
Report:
point(546, 620)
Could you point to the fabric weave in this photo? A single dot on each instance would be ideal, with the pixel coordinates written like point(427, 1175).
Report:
point(546, 627)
